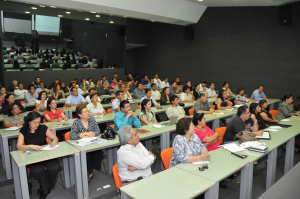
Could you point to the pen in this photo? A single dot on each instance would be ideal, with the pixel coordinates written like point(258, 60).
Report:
point(50, 140)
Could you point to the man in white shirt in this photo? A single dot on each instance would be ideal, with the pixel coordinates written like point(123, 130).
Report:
point(186, 96)
point(164, 83)
point(203, 86)
point(174, 110)
point(80, 92)
point(116, 103)
point(20, 91)
point(127, 96)
point(42, 88)
point(157, 81)
point(88, 97)
point(211, 91)
point(154, 92)
point(134, 161)
point(117, 87)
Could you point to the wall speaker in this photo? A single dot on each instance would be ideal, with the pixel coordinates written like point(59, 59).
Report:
point(286, 14)
point(189, 32)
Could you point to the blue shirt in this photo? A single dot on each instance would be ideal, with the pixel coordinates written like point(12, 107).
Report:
point(137, 93)
point(38, 90)
point(121, 120)
point(149, 85)
point(115, 104)
point(29, 98)
point(71, 99)
point(257, 95)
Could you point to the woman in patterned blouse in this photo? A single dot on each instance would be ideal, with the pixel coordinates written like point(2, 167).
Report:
point(84, 127)
point(240, 98)
point(147, 117)
point(187, 146)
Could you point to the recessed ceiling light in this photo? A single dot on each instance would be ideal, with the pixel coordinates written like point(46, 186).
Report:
point(34, 8)
point(59, 15)
point(68, 12)
point(52, 7)
point(87, 19)
point(152, 20)
point(111, 22)
point(97, 15)
point(200, 0)
point(42, 6)
point(27, 12)
point(93, 12)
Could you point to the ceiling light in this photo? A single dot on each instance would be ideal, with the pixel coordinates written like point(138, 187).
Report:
point(34, 8)
point(42, 6)
point(93, 12)
point(59, 15)
point(152, 20)
point(200, 0)
point(124, 16)
point(27, 12)
point(111, 22)
point(97, 15)
point(87, 19)
point(68, 12)
point(52, 7)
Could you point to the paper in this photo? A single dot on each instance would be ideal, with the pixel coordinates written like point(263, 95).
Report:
point(157, 126)
point(273, 130)
point(201, 162)
point(104, 95)
point(239, 105)
point(232, 147)
point(266, 135)
point(49, 148)
point(275, 127)
point(221, 113)
point(285, 120)
point(98, 110)
point(230, 109)
point(85, 141)
point(13, 128)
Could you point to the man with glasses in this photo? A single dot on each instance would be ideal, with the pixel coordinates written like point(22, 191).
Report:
point(74, 99)
point(202, 106)
point(127, 96)
point(116, 103)
point(242, 122)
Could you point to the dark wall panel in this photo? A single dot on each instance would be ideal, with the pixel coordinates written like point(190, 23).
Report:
point(138, 31)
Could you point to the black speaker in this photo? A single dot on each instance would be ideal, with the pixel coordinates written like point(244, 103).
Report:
point(286, 14)
point(122, 31)
point(189, 32)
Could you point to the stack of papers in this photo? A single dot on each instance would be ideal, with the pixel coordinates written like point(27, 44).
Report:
point(49, 148)
point(157, 126)
point(13, 128)
point(221, 113)
point(239, 105)
point(230, 109)
point(85, 141)
point(275, 127)
point(273, 130)
point(201, 162)
point(266, 135)
point(232, 147)
point(285, 120)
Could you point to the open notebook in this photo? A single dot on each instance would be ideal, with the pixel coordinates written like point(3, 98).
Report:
point(232, 147)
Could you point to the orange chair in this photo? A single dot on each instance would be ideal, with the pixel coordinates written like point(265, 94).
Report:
point(112, 93)
point(159, 103)
point(22, 102)
point(191, 111)
point(221, 131)
point(65, 106)
point(112, 126)
point(213, 106)
point(68, 87)
point(116, 176)
point(166, 156)
point(139, 107)
point(293, 104)
point(180, 92)
point(35, 109)
point(273, 113)
point(235, 102)
point(109, 110)
point(112, 100)
point(67, 136)
point(44, 120)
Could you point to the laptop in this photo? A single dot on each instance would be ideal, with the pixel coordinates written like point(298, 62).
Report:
point(133, 107)
point(172, 121)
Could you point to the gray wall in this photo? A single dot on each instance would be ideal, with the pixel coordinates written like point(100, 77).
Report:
point(245, 46)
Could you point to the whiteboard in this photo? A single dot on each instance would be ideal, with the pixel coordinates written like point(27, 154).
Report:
point(17, 25)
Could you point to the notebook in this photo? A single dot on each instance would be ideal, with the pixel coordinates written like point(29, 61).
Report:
point(232, 147)
point(13, 128)
point(201, 162)
point(265, 136)
point(49, 148)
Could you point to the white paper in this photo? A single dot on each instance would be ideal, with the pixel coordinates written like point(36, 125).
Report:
point(285, 120)
point(221, 113)
point(239, 105)
point(157, 126)
point(229, 109)
point(273, 130)
point(14, 128)
point(265, 135)
point(232, 147)
point(98, 110)
point(201, 162)
point(275, 127)
point(106, 186)
point(49, 148)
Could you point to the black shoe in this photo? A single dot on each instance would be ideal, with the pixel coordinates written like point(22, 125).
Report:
point(43, 196)
point(90, 178)
point(223, 185)
point(39, 191)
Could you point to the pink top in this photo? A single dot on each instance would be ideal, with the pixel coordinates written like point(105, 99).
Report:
point(113, 85)
point(228, 90)
point(203, 135)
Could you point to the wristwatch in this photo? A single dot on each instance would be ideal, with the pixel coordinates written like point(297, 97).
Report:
point(199, 158)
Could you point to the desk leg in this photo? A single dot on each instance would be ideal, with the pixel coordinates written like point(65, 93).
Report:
point(272, 106)
point(213, 192)
point(78, 184)
point(84, 174)
point(292, 153)
point(2, 153)
point(148, 144)
point(66, 172)
point(70, 114)
point(115, 155)
point(17, 184)
point(246, 181)
point(164, 144)
point(6, 158)
point(289, 150)
point(216, 123)
point(271, 170)
point(72, 170)
point(110, 157)
point(124, 196)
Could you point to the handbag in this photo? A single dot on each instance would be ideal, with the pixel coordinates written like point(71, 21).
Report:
point(181, 104)
point(109, 133)
point(105, 101)
point(245, 136)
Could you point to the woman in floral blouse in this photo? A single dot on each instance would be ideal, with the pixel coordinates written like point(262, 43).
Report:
point(187, 146)
point(240, 98)
point(147, 117)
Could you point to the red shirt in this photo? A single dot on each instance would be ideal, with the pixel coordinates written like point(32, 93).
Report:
point(55, 115)
point(203, 135)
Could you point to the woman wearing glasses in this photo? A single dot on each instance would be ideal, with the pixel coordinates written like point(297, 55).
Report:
point(9, 99)
point(34, 135)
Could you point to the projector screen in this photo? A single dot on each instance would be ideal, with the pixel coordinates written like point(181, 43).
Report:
point(17, 25)
point(46, 25)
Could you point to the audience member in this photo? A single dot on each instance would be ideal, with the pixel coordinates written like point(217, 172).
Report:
point(90, 82)
point(44, 64)
point(157, 81)
point(14, 86)
point(41, 102)
point(53, 114)
point(116, 103)
point(265, 114)
point(154, 92)
point(39, 60)
point(42, 88)
point(97, 84)
point(79, 64)
point(189, 84)
point(226, 87)
point(186, 95)
point(117, 87)
point(150, 83)
point(36, 82)
point(255, 111)
point(147, 117)
point(11, 60)
point(15, 118)
point(139, 92)
point(56, 64)
point(286, 109)
point(173, 88)
point(84, 86)
point(203, 86)
point(94, 107)
point(50, 60)
point(174, 110)
point(196, 92)
point(127, 96)
point(63, 87)
point(73, 85)
point(240, 98)
point(133, 85)
point(103, 89)
point(145, 80)
point(222, 101)
point(57, 92)
point(113, 83)
point(16, 64)
point(4, 51)
point(104, 79)
point(9, 99)
point(164, 83)
point(202, 106)
point(20, 91)
point(31, 95)
point(2, 94)
point(297, 104)
point(165, 96)
point(75, 99)
point(150, 98)
point(178, 82)
point(88, 97)
point(258, 94)
point(67, 65)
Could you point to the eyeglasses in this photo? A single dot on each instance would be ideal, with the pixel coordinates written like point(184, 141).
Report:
point(35, 122)
point(247, 113)
point(16, 108)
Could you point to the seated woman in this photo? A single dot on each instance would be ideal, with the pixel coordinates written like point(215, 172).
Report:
point(222, 102)
point(34, 135)
point(88, 97)
point(104, 79)
point(226, 87)
point(207, 136)
point(150, 98)
point(97, 84)
point(113, 83)
point(189, 84)
point(165, 96)
point(187, 147)
point(52, 114)
point(56, 81)
point(90, 82)
point(41, 101)
point(255, 111)
point(57, 92)
point(94, 106)
point(286, 109)
point(2, 95)
point(240, 98)
point(266, 115)
point(196, 92)
point(83, 127)
point(147, 117)
point(9, 99)
point(64, 88)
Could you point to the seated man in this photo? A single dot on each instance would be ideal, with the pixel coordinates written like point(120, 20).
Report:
point(116, 103)
point(20, 92)
point(117, 87)
point(145, 80)
point(134, 161)
point(103, 89)
point(154, 92)
point(174, 109)
point(211, 91)
point(127, 96)
point(14, 86)
point(173, 88)
point(73, 85)
point(56, 64)
point(44, 64)
point(157, 81)
point(36, 82)
point(149, 84)
point(42, 88)
point(11, 60)
point(88, 97)
point(31, 95)
point(139, 92)
point(202, 106)
point(84, 86)
point(126, 117)
point(203, 86)
point(258, 94)
point(178, 82)
point(133, 85)
point(186, 95)
point(241, 122)
point(164, 83)
point(74, 99)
